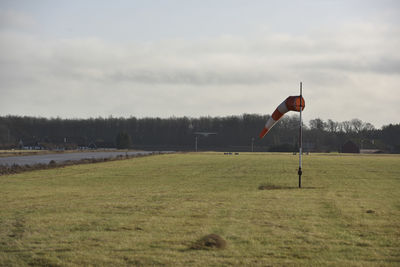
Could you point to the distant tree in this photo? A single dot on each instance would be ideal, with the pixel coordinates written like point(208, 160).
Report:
point(391, 137)
point(332, 126)
point(368, 127)
point(317, 124)
point(123, 140)
point(346, 126)
point(160, 133)
point(283, 148)
point(316, 135)
point(357, 125)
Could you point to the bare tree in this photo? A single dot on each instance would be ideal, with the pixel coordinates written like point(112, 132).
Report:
point(347, 126)
point(368, 127)
point(332, 126)
point(317, 124)
point(357, 125)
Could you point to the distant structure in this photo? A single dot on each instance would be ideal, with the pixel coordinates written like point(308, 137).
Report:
point(350, 147)
point(92, 145)
point(205, 134)
point(20, 144)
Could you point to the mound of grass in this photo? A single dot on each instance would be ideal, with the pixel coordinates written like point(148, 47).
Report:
point(211, 241)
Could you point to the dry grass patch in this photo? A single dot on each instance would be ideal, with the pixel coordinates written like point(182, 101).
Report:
point(273, 187)
point(211, 241)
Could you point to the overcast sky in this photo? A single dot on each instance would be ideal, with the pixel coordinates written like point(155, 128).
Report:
point(81, 59)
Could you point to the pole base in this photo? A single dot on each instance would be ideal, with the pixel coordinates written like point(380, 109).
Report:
point(300, 172)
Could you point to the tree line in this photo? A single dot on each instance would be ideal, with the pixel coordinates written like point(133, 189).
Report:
point(236, 133)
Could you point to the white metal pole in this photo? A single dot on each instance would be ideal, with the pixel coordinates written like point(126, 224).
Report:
point(300, 172)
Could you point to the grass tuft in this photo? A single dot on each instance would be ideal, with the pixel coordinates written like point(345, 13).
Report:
point(211, 241)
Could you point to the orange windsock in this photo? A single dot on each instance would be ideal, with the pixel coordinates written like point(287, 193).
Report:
point(293, 103)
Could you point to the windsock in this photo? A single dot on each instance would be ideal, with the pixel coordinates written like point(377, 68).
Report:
point(291, 103)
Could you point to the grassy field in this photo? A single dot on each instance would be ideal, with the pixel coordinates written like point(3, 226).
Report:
point(150, 211)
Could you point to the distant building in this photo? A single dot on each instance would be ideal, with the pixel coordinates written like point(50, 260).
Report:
point(350, 147)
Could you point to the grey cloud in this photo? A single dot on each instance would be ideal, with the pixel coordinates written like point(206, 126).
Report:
point(179, 77)
point(224, 61)
point(12, 20)
point(388, 66)
point(194, 77)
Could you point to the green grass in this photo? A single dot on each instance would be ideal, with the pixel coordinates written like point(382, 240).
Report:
point(150, 210)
